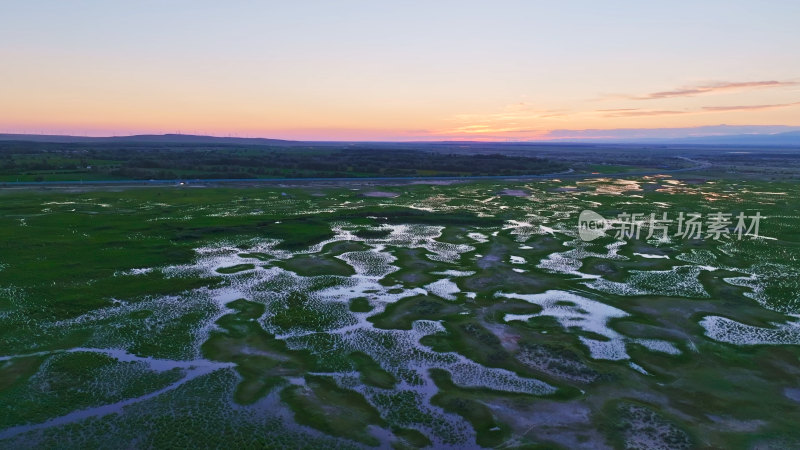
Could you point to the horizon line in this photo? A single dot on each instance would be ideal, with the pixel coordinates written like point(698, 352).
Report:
point(577, 137)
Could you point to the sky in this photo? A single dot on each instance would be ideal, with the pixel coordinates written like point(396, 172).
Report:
point(398, 70)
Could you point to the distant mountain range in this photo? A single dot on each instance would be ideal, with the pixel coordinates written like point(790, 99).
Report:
point(783, 139)
point(767, 135)
point(788, 139)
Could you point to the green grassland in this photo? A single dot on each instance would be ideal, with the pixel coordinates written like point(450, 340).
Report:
point(463, 315)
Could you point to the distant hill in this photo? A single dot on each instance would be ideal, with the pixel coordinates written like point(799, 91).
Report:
point(788, 139)
point(145, 138)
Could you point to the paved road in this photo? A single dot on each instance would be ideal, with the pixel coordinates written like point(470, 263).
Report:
point(568, 174)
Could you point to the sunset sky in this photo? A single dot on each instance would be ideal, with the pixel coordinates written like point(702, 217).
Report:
point(395, 70)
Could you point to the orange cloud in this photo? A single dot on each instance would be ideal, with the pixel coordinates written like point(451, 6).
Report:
point(634, 112)
point(748, 107)
point(715, 88)
point(626, 112)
